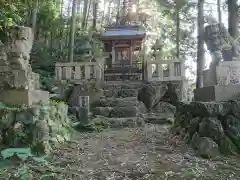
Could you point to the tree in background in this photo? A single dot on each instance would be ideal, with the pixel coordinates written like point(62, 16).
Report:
point(200, 44)
point(171, 22)
point(233, 18)
point(219, 11)
point(34, 16)
point(72, 31)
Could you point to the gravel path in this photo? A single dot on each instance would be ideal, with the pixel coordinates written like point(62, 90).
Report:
point(132, 154)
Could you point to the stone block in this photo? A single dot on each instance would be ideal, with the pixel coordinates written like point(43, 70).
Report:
point(217, 93)
point(17, 97)
point(209, 77)
point(38, 96)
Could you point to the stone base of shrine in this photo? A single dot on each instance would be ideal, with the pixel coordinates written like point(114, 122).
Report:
point(18, 97)
point(217, 93)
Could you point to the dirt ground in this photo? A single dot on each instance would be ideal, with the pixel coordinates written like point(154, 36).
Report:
point(137, 153)
point(132, 154)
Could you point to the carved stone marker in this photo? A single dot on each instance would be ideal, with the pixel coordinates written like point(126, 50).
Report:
point(18, 84)
point(84, 109)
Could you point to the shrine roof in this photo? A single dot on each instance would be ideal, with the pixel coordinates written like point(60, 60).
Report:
point(123, 32)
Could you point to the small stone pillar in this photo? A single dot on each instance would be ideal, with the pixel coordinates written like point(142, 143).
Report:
point(149, 72)
point(87, 72)
point(84, 109)
point(77, 73)
point(160, 71)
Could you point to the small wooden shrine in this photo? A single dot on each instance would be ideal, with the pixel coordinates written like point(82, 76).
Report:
point(123, 44)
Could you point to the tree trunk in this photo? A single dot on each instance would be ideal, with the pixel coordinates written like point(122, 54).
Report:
point(34, 16)
point(88, 11)
point(67, 27)
point(78, 6)
point(178, 31)
point(61, 32)
point(232, 18)
point(85, 8)
point(118, 11)
point(72, 32)
point(219, 11)
point(95, 7)
point(103, 19)
point(62, 8)
point(200, 45)
point(51, 39)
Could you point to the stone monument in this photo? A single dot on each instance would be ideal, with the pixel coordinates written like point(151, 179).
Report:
point(84, 109)
point(222, 80)
point(18, 84)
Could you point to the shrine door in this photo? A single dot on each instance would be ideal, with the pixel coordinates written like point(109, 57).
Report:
point(122, 56)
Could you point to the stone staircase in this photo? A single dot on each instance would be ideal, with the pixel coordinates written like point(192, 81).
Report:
point(122, 89)
point(120, 103)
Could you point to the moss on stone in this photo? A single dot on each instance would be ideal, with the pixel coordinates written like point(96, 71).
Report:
point(217, 121)
point(226, 146)
point(39, 127)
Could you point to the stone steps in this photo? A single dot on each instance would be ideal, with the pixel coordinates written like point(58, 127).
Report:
point(120, 92)
point(121, 89)
point(159, 118)
point(120, 104)
point(112, 102)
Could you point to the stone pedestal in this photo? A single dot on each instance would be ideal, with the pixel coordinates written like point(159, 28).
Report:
point(18, 97)
point(221, 84)
point(217, 93)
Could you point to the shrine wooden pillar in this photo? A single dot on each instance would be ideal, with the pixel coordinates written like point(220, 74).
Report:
point(131, 51)
point(113, 52)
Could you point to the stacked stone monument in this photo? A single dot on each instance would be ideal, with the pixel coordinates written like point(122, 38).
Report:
point(18, 84)
point(221, 82)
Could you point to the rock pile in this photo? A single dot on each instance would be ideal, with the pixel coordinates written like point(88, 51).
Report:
point(152, 94)
point(40, 127)
point(210, 127)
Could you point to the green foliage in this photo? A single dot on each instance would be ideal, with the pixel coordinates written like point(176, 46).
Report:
point(25, 158)
point(48, 17)
point(22, 154)
point(84, 42)
point(43, 59)
point(13, 12)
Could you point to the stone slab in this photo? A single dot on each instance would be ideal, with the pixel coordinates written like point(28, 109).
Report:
point(17, 97)
point(228, 72)
point(217, 93)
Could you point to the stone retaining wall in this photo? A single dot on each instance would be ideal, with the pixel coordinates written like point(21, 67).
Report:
point(210, 127)
point(39, 127)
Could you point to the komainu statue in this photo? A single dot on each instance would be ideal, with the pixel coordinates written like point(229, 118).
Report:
point(14, 59)
point(18, 84)
point(221, 45)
